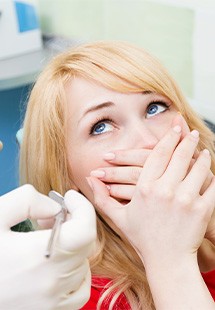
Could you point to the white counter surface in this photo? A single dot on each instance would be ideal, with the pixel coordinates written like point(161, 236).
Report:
point(23, 69)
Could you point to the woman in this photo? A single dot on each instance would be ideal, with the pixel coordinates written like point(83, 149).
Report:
point(107, 120)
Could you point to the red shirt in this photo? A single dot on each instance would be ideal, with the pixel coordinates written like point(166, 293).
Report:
point(122, 303)
point(96, 293)
point(209, 279)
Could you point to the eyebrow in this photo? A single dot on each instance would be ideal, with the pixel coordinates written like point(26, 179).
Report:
point(147, 92)
point(97, 107)
point(106, 104)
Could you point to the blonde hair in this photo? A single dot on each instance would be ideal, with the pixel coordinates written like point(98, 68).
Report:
point(121, 67)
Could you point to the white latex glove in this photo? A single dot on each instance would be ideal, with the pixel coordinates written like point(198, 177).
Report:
point(29, 280)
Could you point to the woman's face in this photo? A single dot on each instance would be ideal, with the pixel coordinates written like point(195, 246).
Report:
point(101, 121)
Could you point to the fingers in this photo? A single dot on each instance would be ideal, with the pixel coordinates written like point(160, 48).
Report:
point(209, 177)
point(136, 157)
point(25, 202)
point(158, 160)
point(80, 230)
point(208, 198)
point(122, 192)
point(123, 175)
point(181, 159)
point(79, 206)
point(206, 183)
point(46, 223)
point(197, 175)
point(77, 299)
point(72, 278)
point(106, 204)
point(132, 162)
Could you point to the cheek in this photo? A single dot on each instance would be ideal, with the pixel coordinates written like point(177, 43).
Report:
point(164, 125)
point(81, 163)
point(161, 125)
point(185, 127)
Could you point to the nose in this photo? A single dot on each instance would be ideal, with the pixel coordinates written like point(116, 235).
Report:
point(139, 135)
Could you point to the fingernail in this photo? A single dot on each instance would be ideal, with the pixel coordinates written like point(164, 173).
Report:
point(177, 129)
point(97, 173)
point(206, 151)
point(195, 133)
point(109, 156)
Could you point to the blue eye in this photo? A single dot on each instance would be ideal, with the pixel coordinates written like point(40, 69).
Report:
point(101, 127)
point(156, 108)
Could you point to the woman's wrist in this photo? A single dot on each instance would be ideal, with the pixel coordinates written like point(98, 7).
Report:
point(178, 285)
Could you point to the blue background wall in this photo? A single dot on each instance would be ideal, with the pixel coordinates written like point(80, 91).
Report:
point(12, 103)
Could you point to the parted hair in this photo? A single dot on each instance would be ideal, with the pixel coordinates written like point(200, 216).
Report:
point(118, 66)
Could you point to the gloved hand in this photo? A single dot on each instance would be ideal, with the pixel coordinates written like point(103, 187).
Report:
point(28, 279)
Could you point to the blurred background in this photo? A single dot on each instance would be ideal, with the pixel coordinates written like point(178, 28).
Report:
point(181, 33)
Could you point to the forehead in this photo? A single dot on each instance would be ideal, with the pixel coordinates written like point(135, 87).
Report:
point(82, 88)
point(82, 94)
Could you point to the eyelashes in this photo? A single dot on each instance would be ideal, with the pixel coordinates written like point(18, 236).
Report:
point(154, 108)
point(99, 120)
point(158, 102)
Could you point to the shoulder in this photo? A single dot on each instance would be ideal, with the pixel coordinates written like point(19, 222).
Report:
point(99, 285)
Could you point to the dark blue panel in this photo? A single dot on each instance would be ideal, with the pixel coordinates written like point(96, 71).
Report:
point(12, 106)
